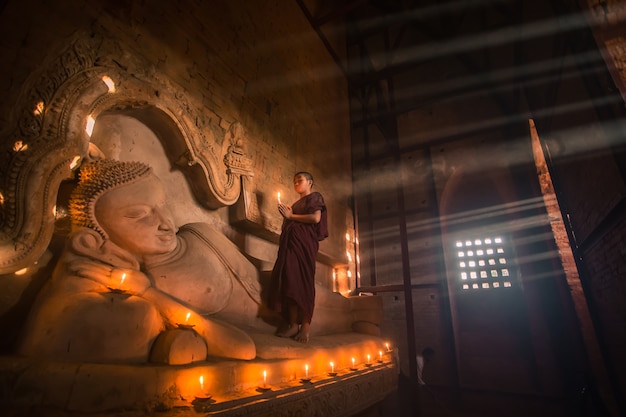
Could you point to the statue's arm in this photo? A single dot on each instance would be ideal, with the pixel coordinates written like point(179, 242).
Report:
point(222, 339)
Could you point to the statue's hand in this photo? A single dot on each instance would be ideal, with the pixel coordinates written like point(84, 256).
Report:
point(129, 280)
point(92, 270)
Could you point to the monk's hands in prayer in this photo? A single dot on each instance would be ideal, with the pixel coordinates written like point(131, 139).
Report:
point(124, 279)
point(285, 210)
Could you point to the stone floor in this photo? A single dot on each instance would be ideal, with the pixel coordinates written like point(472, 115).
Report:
point(411, 400)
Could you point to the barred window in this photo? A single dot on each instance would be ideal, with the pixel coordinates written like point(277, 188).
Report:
point(484, 263)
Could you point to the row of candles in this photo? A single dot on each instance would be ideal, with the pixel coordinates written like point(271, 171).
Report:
point(332, 372)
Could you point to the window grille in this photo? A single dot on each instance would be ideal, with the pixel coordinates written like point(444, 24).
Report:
point(484, 263)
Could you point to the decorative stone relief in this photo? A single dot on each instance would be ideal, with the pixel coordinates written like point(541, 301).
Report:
point(50, 138)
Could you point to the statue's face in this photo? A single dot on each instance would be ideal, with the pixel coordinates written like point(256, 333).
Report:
point(137, 219)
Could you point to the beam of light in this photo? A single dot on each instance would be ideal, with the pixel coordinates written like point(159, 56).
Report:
point(109, 83)
point(481, 215)
point(509, 34)
point(91, 122)
point(423, 13)
point(20, 146)
point(39, 108)
point(74, 162)
point(496, 81)
point(470, 128)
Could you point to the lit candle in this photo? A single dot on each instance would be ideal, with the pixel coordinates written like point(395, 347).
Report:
point(201, 383)
point(187, 316)
point(264, 377)
point(279, 197)
point(353, 362)
point(306, 370)
point(332, 367)
point(387, 346)
point(368, 358)
point(380, 355)
point(122, 279)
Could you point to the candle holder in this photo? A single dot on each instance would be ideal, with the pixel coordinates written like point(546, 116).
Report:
point(263, 388)
point(116, 290)
point(332, 373)
point(305, 380)
point(201, 404)
point(185, 326)
point(368, 364)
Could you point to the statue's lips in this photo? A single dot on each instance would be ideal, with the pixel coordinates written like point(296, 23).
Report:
point(166, 237)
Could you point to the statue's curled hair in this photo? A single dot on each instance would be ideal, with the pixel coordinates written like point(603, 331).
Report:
point(95, 179)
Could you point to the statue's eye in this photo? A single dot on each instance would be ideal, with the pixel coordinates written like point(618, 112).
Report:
point(136, 213)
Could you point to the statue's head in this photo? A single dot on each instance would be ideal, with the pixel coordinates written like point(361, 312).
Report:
point(124, 202)
point(95, 179)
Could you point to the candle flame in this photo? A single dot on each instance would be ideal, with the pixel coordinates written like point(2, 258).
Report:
point(202, 381)
point(187, 316)
point(123, 278)
point(306, 370)
point(332, 367)
point(279, 197)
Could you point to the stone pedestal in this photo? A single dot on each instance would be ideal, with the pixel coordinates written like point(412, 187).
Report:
point(260, 387)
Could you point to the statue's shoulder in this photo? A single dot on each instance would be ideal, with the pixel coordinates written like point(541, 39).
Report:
point(212, 237)
point(205, 232)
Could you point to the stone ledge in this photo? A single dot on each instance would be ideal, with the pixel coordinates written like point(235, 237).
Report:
point(30, 386)
point(341, 396)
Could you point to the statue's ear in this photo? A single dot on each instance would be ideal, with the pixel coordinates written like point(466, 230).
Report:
point(89, 243)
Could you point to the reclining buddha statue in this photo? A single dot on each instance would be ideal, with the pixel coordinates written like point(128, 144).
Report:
point(129, 283)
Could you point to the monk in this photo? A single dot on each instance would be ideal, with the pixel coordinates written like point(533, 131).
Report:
point(293, 276)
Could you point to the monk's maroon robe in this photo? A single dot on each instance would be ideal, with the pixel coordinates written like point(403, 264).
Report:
point(293, 276)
